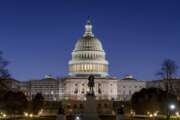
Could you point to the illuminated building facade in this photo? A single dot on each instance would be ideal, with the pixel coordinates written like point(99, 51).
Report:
point(88, 58)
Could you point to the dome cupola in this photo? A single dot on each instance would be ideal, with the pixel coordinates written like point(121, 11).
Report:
point(88, 56)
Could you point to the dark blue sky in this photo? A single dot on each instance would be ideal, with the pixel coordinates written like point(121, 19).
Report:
point(37, 36)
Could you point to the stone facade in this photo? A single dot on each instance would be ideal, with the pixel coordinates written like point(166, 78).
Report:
point(128, 86)
point(160, 84)
point(76, 88)
point(50, 88)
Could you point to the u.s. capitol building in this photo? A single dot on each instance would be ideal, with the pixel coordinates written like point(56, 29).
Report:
point(88, 58)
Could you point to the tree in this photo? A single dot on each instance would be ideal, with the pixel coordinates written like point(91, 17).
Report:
point(4, 74)
point(37, 103)
point(15, 102)
point(150, 100)
point(3, 78)
point(168, 73)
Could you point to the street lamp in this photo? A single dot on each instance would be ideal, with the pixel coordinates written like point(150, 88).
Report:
point(77, 118)
point(172, 107)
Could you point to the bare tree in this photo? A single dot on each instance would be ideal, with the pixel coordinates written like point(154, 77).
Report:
point(168, 73)
point(4, 74)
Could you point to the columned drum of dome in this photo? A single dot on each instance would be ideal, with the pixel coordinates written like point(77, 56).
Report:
point(88, 56)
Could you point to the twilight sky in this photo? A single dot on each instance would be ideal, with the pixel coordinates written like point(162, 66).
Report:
point(37, 36)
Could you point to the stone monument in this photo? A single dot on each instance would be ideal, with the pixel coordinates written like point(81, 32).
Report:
point(90, 112)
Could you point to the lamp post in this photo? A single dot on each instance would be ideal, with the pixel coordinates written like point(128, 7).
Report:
point(77, 117)
point(172, 107)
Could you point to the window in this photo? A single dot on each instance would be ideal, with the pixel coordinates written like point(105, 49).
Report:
point(76, 91)
point(99, 91)
point(81, 106)
point(105, 105)
point(82, 91)
point(75, 106)
point(99, 105)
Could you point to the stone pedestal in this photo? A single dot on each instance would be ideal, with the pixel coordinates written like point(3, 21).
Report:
point(90, 112)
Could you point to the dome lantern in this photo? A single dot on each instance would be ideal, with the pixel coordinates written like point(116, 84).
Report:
point(88, 29)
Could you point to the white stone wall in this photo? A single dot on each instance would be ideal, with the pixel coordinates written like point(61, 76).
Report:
point(126, 88)
point(104, 89)
point(49, 88)
point(161, 84)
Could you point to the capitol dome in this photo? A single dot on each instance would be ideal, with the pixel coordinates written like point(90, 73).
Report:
point(88, 56)
point(88, 43)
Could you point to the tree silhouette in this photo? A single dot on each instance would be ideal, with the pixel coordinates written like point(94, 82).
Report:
point(15, 102)
point(4, 74)
point(151, 100)
point(168, 73)
point(37, 103)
